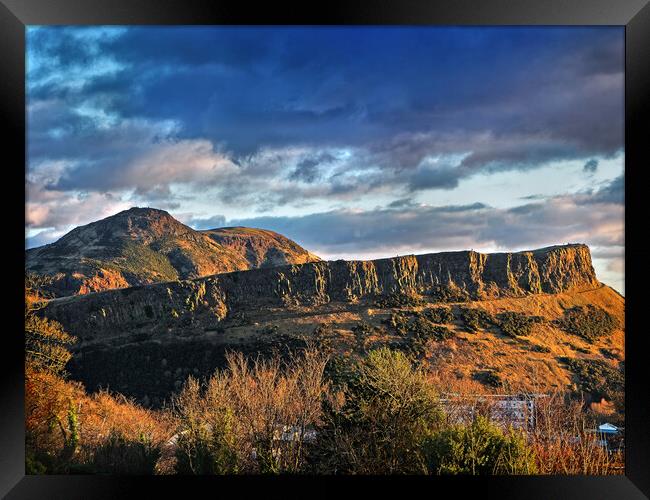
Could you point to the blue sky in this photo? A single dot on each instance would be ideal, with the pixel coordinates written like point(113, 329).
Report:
point(357, 142)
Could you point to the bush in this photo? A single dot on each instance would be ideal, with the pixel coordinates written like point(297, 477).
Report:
point(399, 299)
point(417, 325)
point(389, 409)
point(68, 431)
point(479, 448)
point(441, 315)
point(598, 377)
point(514, 324)
point(362, 330)
point(323, 337)
point(589, 322)
point(564, 441)
point(122, 455)
point(539, 348)
point(399, 322)
point(206, 441)
point(473, 319)
point(445, 293)
point(237, 423)
point(489, 378)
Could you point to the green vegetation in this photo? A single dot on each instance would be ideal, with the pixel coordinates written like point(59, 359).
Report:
point(598, 377)
point(440, 315)
point(389, 410)
point(589, 322)
point(609, 354)
point(399, 322)
point(445, 293)
point(250, 418)
point(539, 348)
point(479, 448)
point(46, 343)
point(362, 331)
point(474, 319)
point(417, 330)
point(120, 455)
point(417, 325)
point(488, 377)
point(140, 260)
point(514, 324)
point(324, 337)
point(399, 299)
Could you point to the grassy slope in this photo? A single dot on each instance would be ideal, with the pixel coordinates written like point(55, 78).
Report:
point(456, 360)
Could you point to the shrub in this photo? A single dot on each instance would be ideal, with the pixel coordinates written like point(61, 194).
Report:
point(564, 442)
point(206, 441)
point(598, 377)
point(238, 421)
point(123, 455)
point(440, 315)
point(589, 322)
point(609, 354)
point(479, 448)
point(488, 377)
point(46, 344)
point(514, 324)
point(65, 429)
point(399, 299)
point(323, 337)
point(473, 319)
point(399, 322)
point(445, 293)
point(539, 348)
point(417, 325)
point(362, 330)
point(423, 330)
point(389, 409)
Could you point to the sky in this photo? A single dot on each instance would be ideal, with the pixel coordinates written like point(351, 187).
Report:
point(356, 142)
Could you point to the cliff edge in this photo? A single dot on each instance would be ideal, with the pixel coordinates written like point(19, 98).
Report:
point(447, 276)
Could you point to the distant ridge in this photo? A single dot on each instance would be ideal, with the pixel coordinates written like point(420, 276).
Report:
point(147, 245)
point(466, 275)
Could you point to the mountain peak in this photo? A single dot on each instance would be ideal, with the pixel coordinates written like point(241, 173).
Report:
point(147, 245)
point(142, 211)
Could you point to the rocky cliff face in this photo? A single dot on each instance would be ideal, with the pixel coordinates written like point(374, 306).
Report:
point(176, 306)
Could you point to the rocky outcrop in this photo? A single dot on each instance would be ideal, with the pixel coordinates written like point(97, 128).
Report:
point(175, 306)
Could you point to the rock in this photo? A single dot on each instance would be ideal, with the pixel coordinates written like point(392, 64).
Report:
point(208, 301)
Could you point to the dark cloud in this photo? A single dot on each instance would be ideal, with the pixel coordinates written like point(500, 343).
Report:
point(307, 170)
point(540, 93)
point(434, 178)
point(591, 166)
point(613, 192)
point(402, 203)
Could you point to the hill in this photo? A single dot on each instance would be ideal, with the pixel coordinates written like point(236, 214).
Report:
point(261, 247)
point(145, 245)
point(528, 321)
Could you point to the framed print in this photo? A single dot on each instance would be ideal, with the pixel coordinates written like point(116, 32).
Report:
point(377, 246)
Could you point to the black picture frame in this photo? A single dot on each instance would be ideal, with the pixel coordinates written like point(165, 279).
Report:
point(633, 14)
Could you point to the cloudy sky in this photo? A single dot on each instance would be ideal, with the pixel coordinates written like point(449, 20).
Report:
point(355, 142)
